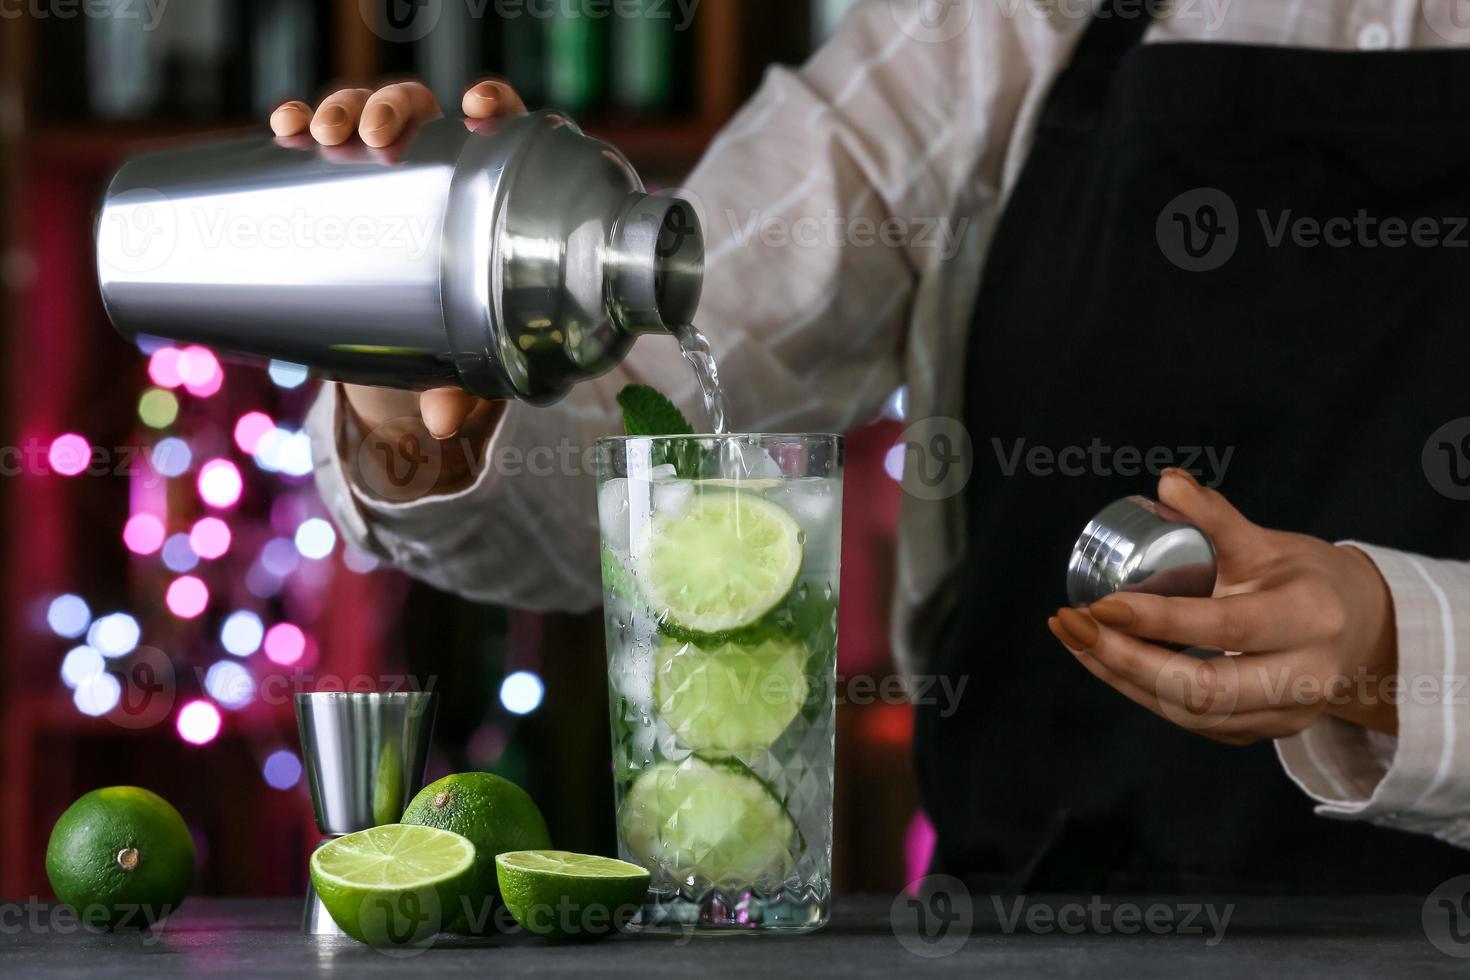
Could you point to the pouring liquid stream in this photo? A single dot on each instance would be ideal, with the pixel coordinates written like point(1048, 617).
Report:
point(697, 352)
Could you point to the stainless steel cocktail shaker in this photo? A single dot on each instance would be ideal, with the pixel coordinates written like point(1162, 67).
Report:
point(1139, 545)
point(511, 258)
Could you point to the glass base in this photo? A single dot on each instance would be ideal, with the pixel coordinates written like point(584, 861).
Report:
point(731, 913)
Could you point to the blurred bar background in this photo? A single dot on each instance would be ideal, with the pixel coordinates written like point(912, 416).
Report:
point(168, 578)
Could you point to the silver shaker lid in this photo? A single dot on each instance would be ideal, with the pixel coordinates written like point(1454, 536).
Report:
point(1139, 545)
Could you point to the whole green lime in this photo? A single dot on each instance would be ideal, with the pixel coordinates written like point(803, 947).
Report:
point(497, 816)
point(120, 856)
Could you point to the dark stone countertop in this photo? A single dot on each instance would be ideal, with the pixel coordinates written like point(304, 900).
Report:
point(1339, 937)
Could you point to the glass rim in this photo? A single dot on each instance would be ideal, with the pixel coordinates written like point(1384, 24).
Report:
point(712, 436)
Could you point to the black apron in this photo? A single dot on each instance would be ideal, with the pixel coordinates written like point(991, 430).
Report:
point(1100, 323)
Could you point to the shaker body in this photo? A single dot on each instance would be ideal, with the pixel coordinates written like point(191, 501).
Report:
point(511, 258)
point(332, 260)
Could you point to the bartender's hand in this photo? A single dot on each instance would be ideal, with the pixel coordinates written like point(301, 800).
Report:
point(379, 118)
point(1310, 626)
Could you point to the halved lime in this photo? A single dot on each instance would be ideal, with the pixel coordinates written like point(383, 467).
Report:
point(393, 885)
point(730, 699)
point(721, 565)
point(715, 821)
point(564, 895)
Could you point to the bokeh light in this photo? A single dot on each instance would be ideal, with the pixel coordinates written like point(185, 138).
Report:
point(284, 644)
point(282, 769)
point(316, 538)
point(158, 408)
point(250, 429)
point(210, 538)
point(893, 461)
point(79, 665)
point(68, 615)
point(521, 692)
point(284, 451)
point(97, 695)
point(230, 684)
point(143, 534)
point(114, 635)
point(358, 561)
point(241, 633)
point(288, 375)
point(70, 454)
point(280, 557)
point(187, 597)
point(219, 483)
point(198, 722)
point(163, 367)
point(171, 457)
point(262, 582)
point(178, 554)
point(197, 365)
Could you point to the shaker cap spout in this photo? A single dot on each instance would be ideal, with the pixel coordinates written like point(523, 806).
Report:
point(658, 258)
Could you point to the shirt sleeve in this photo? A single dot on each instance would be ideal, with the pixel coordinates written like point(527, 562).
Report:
point(821, 201)
point(1420, 780)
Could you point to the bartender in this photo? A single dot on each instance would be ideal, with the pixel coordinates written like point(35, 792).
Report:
point(1103, 239)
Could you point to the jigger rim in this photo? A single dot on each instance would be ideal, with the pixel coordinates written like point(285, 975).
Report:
point(415, 702)
point(302, 698)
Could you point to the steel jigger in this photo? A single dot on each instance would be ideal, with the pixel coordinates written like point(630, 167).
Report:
point(1139, 545)
point(365, 756)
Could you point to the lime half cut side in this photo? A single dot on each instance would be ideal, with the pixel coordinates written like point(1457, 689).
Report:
point(564, 895)
point(722, 564)
point(395, 884)
point(730, 698)
point(710, 820)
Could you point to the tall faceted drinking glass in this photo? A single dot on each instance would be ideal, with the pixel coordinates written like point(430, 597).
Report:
point(720, 558)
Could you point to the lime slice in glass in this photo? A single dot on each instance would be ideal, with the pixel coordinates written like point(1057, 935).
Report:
point(720, 565)
point(730, 698)
point(562, 895)
point(715, 821)
point(394, 885)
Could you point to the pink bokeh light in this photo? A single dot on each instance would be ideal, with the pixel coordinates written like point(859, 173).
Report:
point(284, 644)
point(70, 454)
point(250, 429)
point(220, 483)
point(198, 722)
point(210, 538)
point(143, 534)
point(918, 849)
point(187, 597)
point(197, 365)
point(163, 368)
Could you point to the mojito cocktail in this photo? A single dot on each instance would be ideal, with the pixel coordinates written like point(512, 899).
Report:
point(720, 577)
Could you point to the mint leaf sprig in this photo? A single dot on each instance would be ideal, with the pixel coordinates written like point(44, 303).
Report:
point(648, 412)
